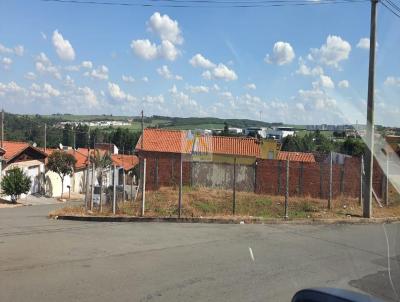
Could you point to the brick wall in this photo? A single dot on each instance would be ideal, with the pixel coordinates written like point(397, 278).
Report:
point(305, 179)
point(309, 179)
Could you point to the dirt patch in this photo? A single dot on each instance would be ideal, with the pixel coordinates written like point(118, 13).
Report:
point(206, 202)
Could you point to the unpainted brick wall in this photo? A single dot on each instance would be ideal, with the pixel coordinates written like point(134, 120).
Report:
point(305, 179)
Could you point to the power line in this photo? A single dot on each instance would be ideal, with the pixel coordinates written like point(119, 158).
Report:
point(210, 3)
point(393, 8)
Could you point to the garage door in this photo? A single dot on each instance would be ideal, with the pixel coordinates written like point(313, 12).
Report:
point(33, 173)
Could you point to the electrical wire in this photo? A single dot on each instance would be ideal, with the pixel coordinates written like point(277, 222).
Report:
point(210, 3)
point(391, 8)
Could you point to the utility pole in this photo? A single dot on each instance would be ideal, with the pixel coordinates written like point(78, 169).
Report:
point(369, 155)
point(2, 128)
point(45, 137)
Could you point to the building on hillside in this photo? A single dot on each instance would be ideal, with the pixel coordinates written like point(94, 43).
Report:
point(26, 157)
point(256, 132)
point(279, 133)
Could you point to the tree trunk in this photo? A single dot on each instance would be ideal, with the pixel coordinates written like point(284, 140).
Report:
point(101, 191)
point(62, 187)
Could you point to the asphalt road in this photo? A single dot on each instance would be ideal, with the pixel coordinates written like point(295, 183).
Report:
point(49, 260)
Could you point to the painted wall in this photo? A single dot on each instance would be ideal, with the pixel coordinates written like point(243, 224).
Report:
point(53, 184)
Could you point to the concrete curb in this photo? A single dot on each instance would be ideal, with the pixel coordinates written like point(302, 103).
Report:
point(227, 220)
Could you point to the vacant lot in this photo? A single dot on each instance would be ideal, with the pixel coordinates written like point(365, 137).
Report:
point(206, 202)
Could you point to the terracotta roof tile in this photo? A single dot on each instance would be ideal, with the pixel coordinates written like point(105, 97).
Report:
point(13, 148)
point(227, 145)
point(296, 156)
point(128, 162)
point(171, 141)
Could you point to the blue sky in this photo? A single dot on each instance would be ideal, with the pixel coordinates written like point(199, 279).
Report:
point(302, 65)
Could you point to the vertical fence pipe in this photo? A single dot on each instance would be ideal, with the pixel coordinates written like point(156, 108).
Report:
point(234, 187)
point(114, 204)
point(144, 187)
point(180, 187)
point(92, 188)
point(330, 182)
point(361, 180)
point(387, 181)
point(287, 189)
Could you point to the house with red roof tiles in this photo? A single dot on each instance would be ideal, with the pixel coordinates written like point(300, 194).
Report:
point(201, 155)
point(30, 159)
point(77, 182)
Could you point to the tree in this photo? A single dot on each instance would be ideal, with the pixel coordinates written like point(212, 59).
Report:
point(353, 146)
point(226, 129)
point(101, 162)
point(63, 164)
point(15, 183)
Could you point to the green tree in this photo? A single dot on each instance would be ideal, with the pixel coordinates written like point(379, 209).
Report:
point(353, 146)
point(15, 183)
point(101, 162)
point(63, 164)
point(292, 144)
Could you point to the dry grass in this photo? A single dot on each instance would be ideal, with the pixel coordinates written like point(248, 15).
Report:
point(206, 202)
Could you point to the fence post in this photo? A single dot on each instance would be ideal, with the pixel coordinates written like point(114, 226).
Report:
point(180, 188)
point(301, 177)
point(92, 189)
point(330, 181)
point(234, 187)
point(321, 187)
point(87, 187)
point(387, 181)
point(156, 174)
point(287, 189)
point(342, 169)
point(144, 186)
point(361, 180)
point(279, 176)
point(114, 204)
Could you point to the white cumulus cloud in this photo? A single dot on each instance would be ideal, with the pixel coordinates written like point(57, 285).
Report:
point(251, 86)
point(199, 60)
point(344, 84)
point(167, 74)
point(332, 52)
point(392, 81)
point(63, 47)
point(128, 79)
point(282, 53)
point(166, 28)
point(100, 73)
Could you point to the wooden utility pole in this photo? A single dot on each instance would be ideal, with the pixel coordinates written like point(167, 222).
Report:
point(2, 128)
point(369, 154)
point(45, 137)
